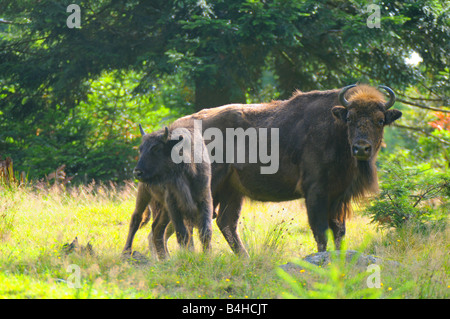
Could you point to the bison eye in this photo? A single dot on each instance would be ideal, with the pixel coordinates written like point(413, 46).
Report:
point(156, 148)
point(381, 122)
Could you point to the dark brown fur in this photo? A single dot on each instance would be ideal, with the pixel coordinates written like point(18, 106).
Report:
point(317, 138)
point(176, 193)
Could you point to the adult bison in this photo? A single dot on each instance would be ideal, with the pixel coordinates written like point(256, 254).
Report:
point(328, 143)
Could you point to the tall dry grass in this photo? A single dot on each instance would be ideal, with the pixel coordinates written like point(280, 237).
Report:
point(35, 221)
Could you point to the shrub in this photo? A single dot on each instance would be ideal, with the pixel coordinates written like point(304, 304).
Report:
point(415, 195)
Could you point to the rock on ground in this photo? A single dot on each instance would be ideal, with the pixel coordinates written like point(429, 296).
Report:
point(356, 258)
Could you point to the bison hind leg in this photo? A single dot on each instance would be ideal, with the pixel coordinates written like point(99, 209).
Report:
point(204, 220)
point(190, 229)
point(227, 221)
point(205, 234)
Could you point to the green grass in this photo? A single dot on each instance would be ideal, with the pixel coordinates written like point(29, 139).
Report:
point(36, 221)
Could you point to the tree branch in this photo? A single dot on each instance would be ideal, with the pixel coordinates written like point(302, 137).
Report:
point(6, 21)
point(23, 42)
point(423, 106)
point(11, 22)
point(418, 129)
point(421, 98)
point(429, 89)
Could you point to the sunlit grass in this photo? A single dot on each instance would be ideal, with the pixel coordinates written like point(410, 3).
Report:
point(36, 221)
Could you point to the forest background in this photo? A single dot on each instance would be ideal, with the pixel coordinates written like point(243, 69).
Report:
point(74, 96)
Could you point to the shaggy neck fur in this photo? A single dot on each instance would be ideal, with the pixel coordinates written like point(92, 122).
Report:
point(365, 179)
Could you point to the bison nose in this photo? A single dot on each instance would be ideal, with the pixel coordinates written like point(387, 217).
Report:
point(362, 150)
point(138, 173)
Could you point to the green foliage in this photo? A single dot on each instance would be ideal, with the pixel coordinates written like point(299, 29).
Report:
point(334, 282)
point(72, 96)
point(423, 135)
point(435, 146)
point(414, 196)
point(98, 138)
point(341, 278)
point(313, 44)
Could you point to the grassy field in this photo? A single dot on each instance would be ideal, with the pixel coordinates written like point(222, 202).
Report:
point(36, 222)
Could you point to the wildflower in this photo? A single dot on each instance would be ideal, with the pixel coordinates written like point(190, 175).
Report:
point(178, 282)
point(302, 270)
point(246, 297)
point(390, 288)
point(227, 279)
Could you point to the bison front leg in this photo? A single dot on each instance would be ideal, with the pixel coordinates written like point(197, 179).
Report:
point(176, 217)
point(317, 209)
point(336, 221)
point(340, 209)
point(142, 200)
point(338, 228)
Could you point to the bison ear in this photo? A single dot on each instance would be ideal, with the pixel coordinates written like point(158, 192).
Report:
point(391, 115)
point(340, 113)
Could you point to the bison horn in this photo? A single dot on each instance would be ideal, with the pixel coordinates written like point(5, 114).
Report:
point(141, 129)
point(391, 96)
point(341, 96)
point(166, 134)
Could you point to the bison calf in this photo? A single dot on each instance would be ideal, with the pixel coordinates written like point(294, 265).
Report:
point(176, 191)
